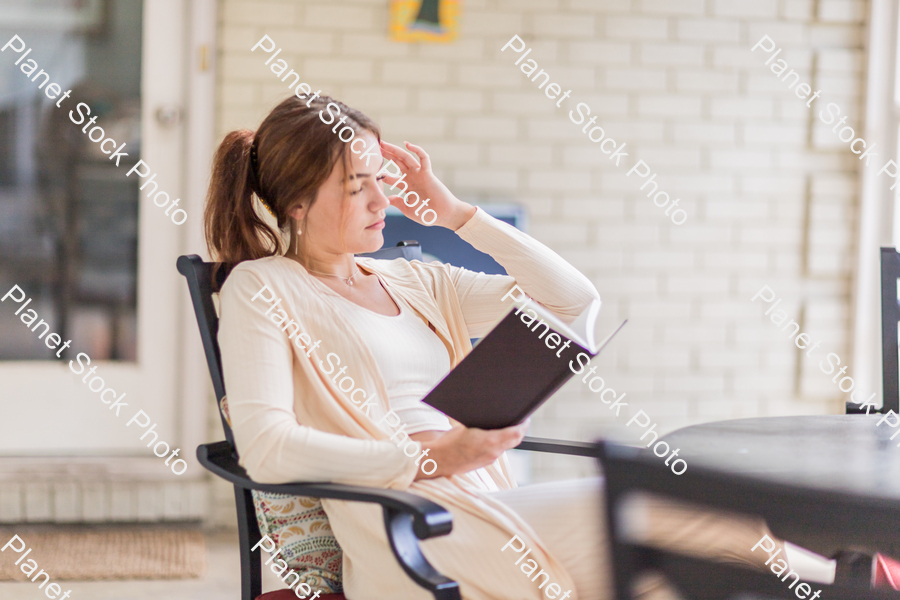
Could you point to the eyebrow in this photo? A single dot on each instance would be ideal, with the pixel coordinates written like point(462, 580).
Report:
point(360, 175)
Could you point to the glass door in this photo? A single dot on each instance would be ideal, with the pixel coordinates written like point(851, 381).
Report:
point(88, 89)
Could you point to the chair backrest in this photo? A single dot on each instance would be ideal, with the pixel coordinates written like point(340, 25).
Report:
point(206, 278)
point(855, 520)
point(890, 316)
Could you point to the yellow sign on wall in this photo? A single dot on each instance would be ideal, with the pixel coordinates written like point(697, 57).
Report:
point(424, 20)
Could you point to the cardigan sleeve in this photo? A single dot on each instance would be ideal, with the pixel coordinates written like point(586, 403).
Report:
point(538, 271)
point(274, 447)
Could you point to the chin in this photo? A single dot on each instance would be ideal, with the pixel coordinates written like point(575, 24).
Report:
point(370, 241)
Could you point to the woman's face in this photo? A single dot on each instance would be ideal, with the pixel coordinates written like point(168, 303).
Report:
point(348, 213)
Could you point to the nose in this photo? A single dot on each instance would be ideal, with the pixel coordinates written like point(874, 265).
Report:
point(380, 200)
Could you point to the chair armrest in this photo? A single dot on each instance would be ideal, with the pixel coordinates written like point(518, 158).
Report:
point(852, 408)
point(558, 447)
point(431, 520)
point(406, 515)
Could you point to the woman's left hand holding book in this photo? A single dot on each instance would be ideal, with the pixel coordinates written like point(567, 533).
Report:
point(463, 449)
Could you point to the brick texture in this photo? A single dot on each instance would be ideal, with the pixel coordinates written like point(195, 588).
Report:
point(770, 202)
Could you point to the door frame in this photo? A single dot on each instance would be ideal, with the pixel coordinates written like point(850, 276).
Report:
point(877, 224)
point(200, 132)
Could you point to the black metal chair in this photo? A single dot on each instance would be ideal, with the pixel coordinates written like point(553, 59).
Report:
point(890, 317)
point(858, 520)
point(407, 517)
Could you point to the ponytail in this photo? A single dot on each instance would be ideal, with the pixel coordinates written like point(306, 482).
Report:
point(234, 232)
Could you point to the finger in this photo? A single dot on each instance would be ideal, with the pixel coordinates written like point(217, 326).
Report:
point(516, 433)
point(508, 436)
point(393, 151)
point(402, 163)
point(389, 179)
point(515, 428)
point(516, 437)
point(386, 145)
point(423, 156)
point(398, 203)
point(406, 156)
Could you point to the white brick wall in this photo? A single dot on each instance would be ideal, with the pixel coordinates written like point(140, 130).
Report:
point(676, 80)
point(66, 500)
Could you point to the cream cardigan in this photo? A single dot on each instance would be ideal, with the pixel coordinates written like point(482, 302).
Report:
point(292, 423)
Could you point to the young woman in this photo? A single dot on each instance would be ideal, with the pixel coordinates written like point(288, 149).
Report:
point(396, 328)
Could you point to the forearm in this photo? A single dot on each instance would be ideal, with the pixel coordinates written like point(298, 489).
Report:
point(431, 442)
point(286, 452)
point(542, 273)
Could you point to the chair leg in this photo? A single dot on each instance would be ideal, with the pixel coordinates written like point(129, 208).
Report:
point(248, 534)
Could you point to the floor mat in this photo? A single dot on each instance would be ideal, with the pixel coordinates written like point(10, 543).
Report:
point(86, 553)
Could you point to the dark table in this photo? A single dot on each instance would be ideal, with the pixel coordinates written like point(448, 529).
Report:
point(845, 453)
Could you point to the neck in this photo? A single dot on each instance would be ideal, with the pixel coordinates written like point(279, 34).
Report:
point(342, 265)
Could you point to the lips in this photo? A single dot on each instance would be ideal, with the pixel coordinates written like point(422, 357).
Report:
point(378, 225)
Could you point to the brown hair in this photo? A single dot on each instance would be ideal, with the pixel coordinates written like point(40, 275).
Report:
point(295, 153)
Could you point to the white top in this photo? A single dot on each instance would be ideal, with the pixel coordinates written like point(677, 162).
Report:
point(411, 357)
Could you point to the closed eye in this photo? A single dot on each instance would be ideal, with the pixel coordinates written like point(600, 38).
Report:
point(354, 192)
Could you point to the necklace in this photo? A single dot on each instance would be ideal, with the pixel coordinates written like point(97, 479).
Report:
point(347, 280)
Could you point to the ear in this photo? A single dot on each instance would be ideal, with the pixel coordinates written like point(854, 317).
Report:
point(298, 213)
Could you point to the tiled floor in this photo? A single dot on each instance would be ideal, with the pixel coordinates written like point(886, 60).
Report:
point(221, 582)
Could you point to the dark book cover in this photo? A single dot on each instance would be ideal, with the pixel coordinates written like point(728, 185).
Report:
point(509, 373)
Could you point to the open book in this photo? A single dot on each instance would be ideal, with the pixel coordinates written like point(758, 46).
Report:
point(517, 366)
